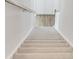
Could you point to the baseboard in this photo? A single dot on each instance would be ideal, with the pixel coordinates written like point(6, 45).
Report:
point(64, 37)
point(10, 57)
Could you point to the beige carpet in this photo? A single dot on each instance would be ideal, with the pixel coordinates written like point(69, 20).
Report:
point(44, 44)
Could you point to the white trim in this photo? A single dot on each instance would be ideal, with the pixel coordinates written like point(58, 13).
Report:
point(71, 44)
point(20, 43)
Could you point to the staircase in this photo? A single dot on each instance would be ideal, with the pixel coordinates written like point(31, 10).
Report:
point(44, 43)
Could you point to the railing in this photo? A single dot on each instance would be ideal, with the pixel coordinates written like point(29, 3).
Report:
point(45, 20)
point(17, 4)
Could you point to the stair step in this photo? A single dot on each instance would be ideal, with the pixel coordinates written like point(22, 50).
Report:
point(44, 37)
point(45, 41)
point(41, 46)
point(44, 56)
point(44, 44)
point(44, 50)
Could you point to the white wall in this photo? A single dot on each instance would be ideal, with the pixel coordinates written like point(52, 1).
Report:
point(18, 24)
point(65, 21)
point(44, 6)
point(28, 3)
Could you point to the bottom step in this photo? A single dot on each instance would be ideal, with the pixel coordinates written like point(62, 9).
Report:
point(44, 56)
